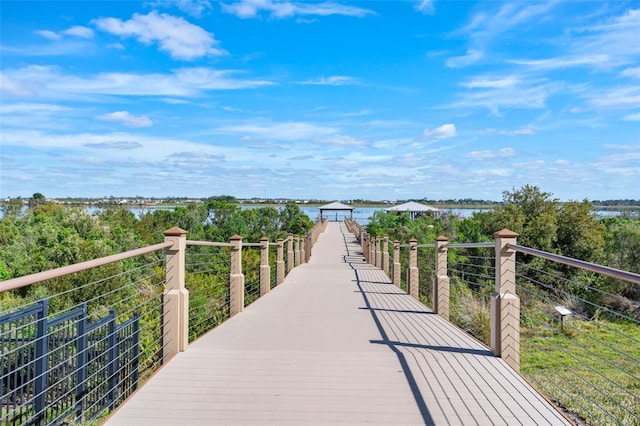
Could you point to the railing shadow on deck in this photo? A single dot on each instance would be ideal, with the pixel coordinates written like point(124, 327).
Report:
point(578, 347)
point(355, 261)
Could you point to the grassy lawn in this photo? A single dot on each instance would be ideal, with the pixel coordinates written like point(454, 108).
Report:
point(590, 369)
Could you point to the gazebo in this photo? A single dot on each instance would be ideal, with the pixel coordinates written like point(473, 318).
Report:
point(415, 209)
point(337, 207)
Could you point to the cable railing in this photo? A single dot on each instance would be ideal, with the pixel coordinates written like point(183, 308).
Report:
point(70, 356)
point(557, 320)
point(471, 268)
point(579, 348)
point(76, 341)
point(426, 267)
point(207, 280)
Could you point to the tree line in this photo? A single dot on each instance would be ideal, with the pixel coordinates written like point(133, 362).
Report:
point(48, 235)
point(543, 222)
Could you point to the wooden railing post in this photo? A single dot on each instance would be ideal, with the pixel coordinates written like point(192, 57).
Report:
point(372, 250)
point(265, 269)
point(379, 252)
point(290, 256)
point(280, 262)
point(365, 246)
point(397, 271)
point(236, 278)
point(441, 279)
point(296, 250)
point(505, 304)
point(175, 321)
point(309, 243)
point(385, 254)
point(303, 249)
point(413, 282)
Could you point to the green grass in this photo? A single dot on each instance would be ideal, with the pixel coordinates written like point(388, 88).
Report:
point(588, 368)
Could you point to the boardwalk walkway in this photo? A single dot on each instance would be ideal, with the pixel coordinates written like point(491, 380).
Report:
point(336, 343)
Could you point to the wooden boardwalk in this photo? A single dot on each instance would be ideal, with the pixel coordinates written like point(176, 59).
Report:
point(336, 343)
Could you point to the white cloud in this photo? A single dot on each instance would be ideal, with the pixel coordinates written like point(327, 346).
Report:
point(616, 37)
point(175, 35)
point(51, 35)
point(617, 97)
point(597, 61)
point(445, 131)
point(493, 172)
point(342, 140)
point(289, 131)
point(495, 93)
point(286, 9)
point(632, 117)
point(610, 43)
point(631, 72)
point(336, 80)
point(490, 82)
point(79, 31)
point(31, 108)
point(195, 8)
point(471, 57)
point(118, 145)
point(492, 155)
point(187, 82)
point(527, 130)
point(75, 31)
point(127, 119)
point(425, 6)
point(484, 28)
point(12, 86)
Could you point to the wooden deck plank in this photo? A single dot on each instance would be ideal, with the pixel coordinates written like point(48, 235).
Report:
point(336, 343)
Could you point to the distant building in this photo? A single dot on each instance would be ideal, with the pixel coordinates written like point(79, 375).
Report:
point(415, 209)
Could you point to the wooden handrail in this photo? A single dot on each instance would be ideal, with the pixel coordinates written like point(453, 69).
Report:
point(593, 267)
point(26, 280)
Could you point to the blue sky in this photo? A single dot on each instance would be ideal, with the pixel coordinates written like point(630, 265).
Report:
point(331, 100)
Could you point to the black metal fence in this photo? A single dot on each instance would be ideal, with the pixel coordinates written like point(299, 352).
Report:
point(64, 369)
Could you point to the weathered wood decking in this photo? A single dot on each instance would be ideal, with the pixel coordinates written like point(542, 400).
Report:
point(336, 343)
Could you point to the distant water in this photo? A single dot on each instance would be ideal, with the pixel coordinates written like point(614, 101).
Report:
point(361, 214)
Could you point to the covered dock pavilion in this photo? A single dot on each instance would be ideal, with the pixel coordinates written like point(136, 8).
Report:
point(337, 207)
point(415, 209)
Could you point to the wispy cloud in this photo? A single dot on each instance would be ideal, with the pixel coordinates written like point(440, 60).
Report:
point(75, 31)
point(471, 57)
point(595, 61)
point(336, 80)
point(48, 34)
point(79, 31)
point(117, 145)
point(288, 131)
point(445, 131)
point(425, 6)
point(631, 72)
point(127, 119)
point(48, 82)
point(182, 39)
point(195, 8)
point(286, 9)
point(491, 155)
point(510, 91)
point(527, 130)
point(342, 140)
point(485, 27)
point(616, 97)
